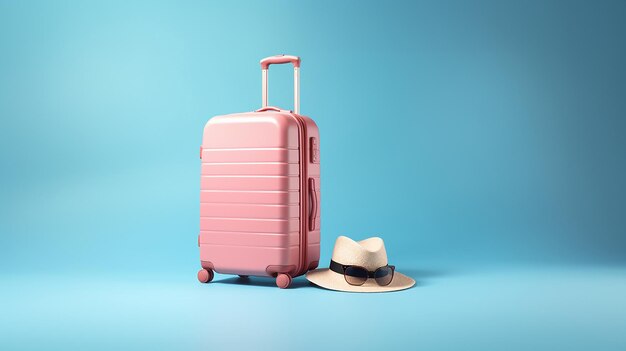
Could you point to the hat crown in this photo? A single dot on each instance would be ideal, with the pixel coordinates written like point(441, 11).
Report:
point(369, 253)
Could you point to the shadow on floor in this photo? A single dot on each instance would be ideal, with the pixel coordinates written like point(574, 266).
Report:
point(298, 282)
point(424, 277)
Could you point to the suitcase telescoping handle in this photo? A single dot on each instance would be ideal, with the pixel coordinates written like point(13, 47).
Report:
point(280, 59)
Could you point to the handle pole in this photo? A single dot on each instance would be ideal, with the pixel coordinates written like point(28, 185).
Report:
point(296, 90)
point(280, 59)
point(264, 73)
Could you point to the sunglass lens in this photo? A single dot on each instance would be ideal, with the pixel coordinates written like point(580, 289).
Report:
point(384, 275)
point(355, 275)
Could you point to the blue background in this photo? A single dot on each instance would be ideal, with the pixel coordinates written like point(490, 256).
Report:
point(484, 141)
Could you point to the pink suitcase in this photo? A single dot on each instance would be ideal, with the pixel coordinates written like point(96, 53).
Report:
point(260, 191)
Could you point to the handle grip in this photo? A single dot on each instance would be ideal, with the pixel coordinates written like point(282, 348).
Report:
point(280, 59)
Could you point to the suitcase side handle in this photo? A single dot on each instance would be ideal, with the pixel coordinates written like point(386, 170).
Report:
point(314, 204)
point(280, 59)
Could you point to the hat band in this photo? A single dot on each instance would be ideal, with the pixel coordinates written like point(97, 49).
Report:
point(341, 268)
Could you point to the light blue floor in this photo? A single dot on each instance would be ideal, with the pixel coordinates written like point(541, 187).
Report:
point(472, 309)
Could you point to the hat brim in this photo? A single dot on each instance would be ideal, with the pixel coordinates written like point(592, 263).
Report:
point(328, 279)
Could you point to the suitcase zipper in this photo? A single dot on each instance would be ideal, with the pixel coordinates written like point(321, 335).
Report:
point(303, 196)
point(301, 268)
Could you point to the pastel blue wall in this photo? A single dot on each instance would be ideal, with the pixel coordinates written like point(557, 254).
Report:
point(489, 131)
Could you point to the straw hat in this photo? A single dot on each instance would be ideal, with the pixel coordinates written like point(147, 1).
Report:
point(369, 254)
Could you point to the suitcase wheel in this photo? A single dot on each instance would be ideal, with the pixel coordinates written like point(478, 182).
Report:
point(205, 275)
point(283, 280)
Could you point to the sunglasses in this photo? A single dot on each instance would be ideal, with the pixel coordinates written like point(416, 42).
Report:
point(357, 275)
